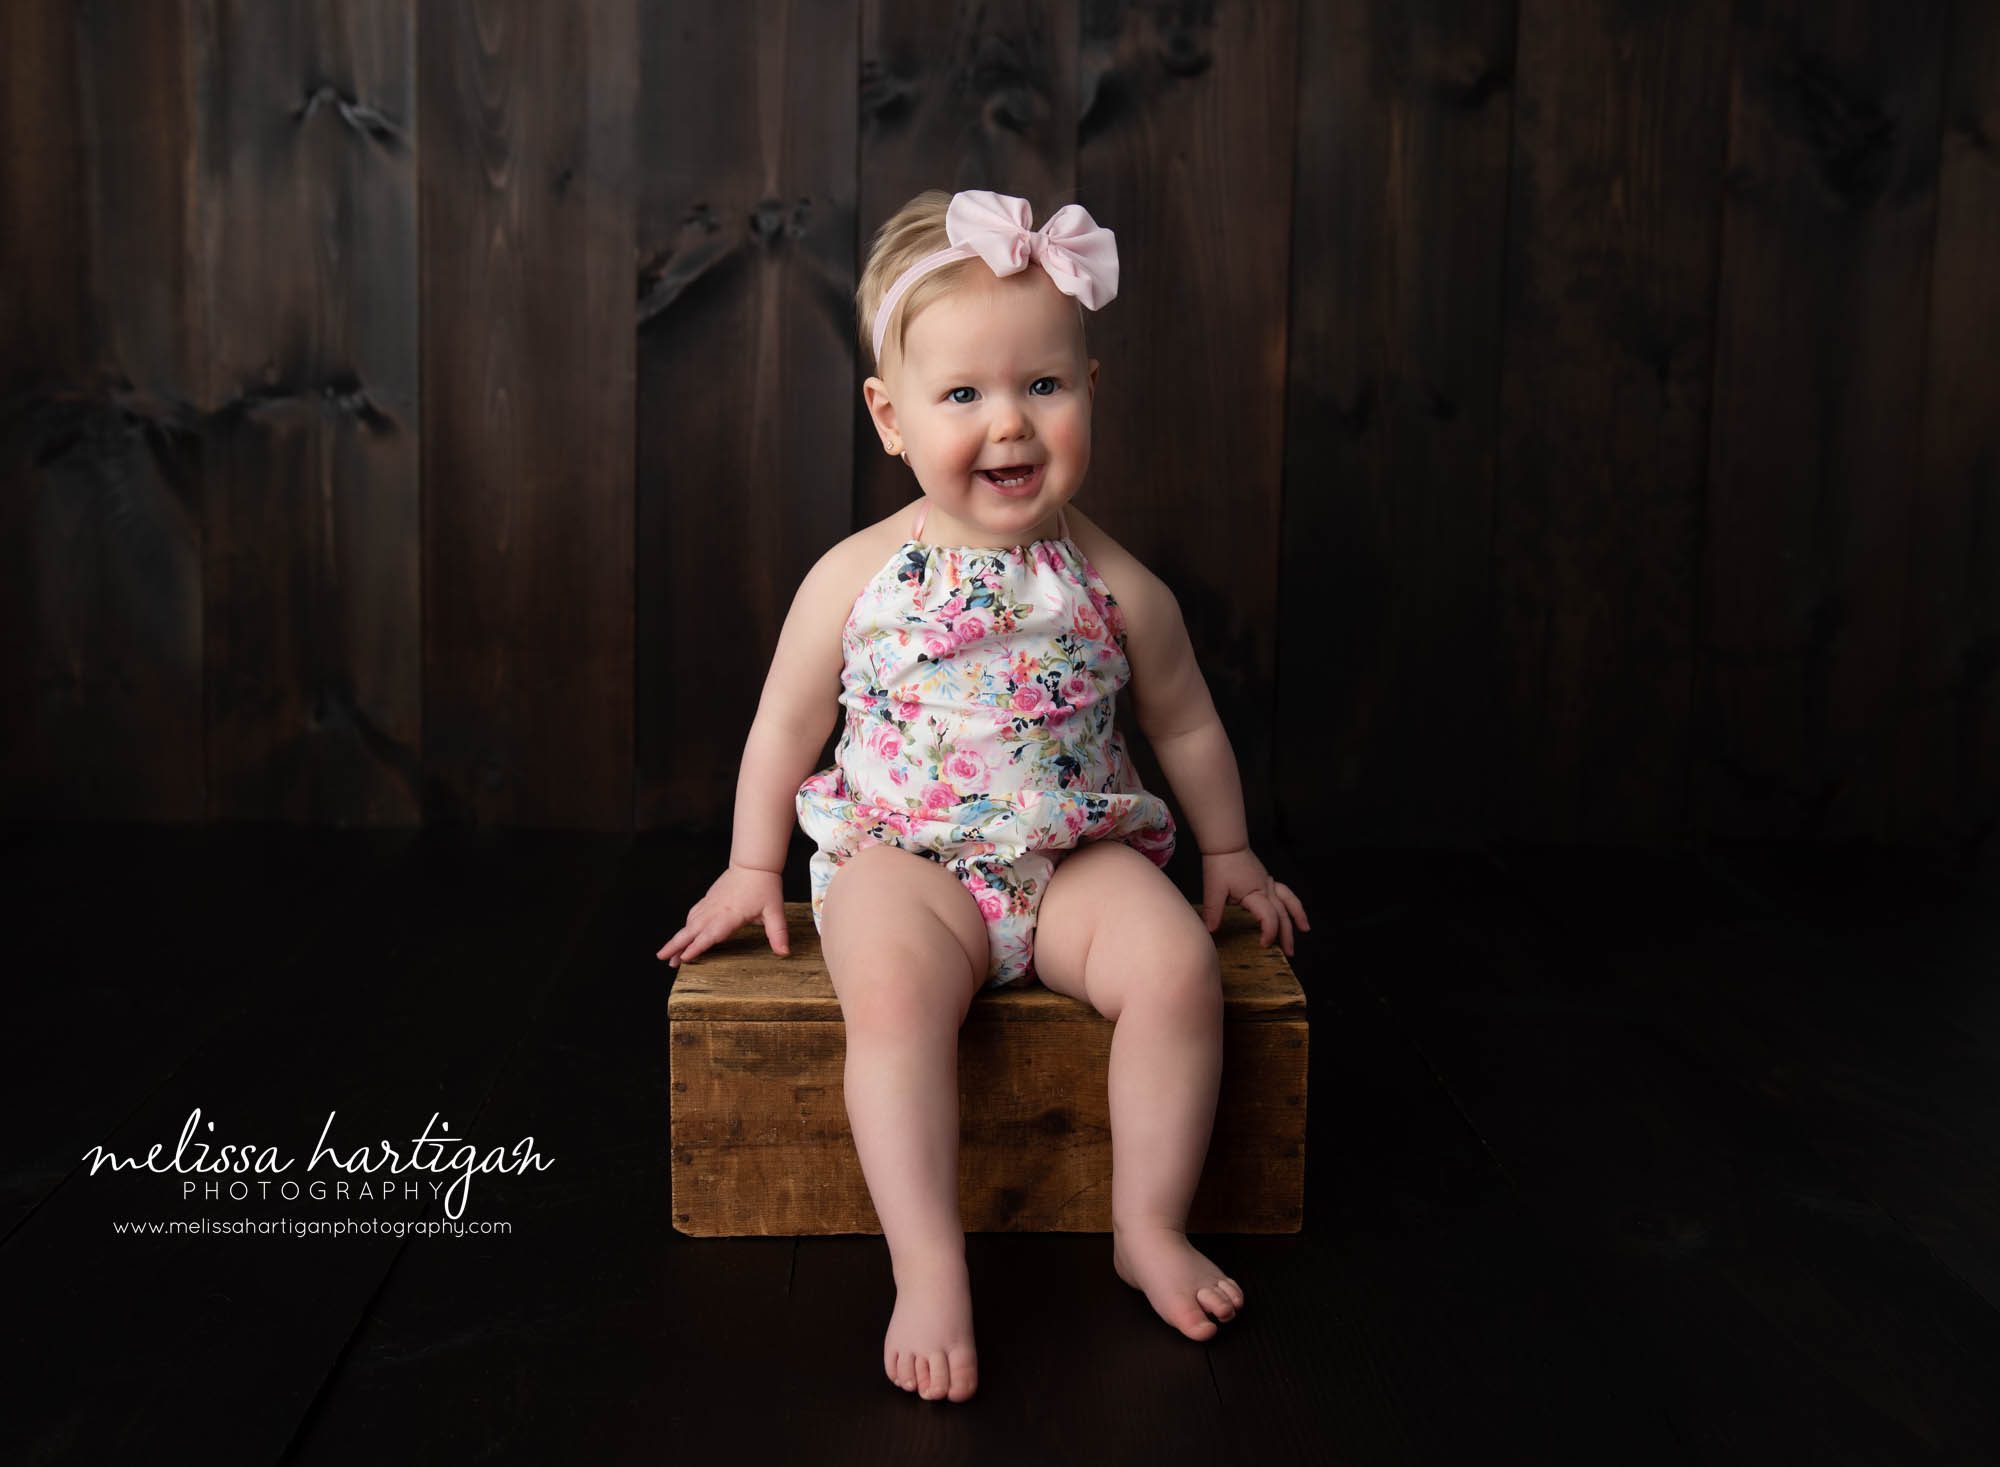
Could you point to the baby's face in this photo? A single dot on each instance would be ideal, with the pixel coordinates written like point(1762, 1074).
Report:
point(994, 376)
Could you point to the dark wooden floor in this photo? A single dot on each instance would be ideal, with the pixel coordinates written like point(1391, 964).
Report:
point(1651, 1158)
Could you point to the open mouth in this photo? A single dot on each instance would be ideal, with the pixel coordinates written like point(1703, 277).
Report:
point(1015, 476)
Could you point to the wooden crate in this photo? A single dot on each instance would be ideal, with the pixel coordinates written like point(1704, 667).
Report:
point(760, 1139)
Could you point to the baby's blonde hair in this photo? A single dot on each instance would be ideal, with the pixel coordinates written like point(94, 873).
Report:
point(906, 236)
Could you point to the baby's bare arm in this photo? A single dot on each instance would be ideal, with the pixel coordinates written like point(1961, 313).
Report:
point(1201, 766)
point(1187, 736)
point(775, 764)
point(800, 701)
point(1178, 716)
point(796, 712)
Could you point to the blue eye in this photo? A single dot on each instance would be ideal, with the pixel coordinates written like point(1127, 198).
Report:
point(953, 396)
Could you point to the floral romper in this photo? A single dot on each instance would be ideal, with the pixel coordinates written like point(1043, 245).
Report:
point(979, 686)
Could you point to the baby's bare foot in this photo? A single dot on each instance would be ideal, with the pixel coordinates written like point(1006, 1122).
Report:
point(1177, 1280)
point(928, 1348)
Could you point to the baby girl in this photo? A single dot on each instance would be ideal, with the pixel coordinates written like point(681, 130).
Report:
point(980, 761)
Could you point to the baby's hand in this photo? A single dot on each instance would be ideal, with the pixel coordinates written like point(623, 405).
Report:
point(1240, 877)
point(740, 894)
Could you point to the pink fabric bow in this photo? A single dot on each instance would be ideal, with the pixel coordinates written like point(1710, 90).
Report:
point(1080, 255)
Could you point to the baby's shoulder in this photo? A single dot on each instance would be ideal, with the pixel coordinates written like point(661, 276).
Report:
point(826, 596)
point(1135, 588)
point(863, 554)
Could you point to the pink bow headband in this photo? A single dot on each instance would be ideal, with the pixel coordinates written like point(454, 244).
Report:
point(1080, 256)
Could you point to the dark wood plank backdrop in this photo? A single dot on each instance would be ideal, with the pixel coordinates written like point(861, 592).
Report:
point(1558, 420)
point(310, 467)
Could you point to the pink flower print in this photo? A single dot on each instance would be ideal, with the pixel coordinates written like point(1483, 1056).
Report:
point(966, 770)
point(1056, 717)
point(886, 743)
point(1087, 625)
point(1115, 616)
point(1030, 699)
point(1156, 846)
point(992, 906)
point(952, 607)
point(1025, 666)
point(971, 629)
point(1076, 689)
point(824, 783)
point(940, 644)
point(909, 709)
point(939, 797)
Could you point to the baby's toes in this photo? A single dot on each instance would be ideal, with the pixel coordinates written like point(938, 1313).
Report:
point(1227, 1294)
point(1215, 1301)
point(903, 1370)
point(1189, 1319)
point(933, 1376)
point(964, 1373)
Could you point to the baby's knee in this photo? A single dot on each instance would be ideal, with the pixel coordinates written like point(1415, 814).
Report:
point(902, 996)
point(1183, 973)
point(914, 978)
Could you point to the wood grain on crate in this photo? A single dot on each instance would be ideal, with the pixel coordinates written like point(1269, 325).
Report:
point(760, 1138)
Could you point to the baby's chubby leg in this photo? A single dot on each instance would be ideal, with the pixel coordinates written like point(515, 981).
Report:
point(906, 950)
point(1165, 1074)
point(1114, 931)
